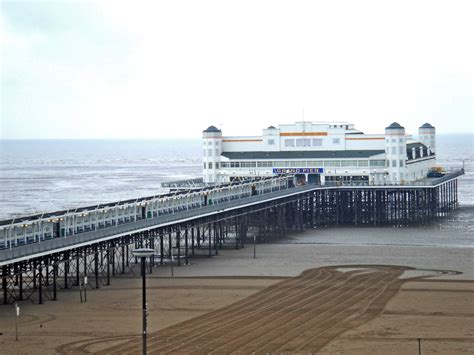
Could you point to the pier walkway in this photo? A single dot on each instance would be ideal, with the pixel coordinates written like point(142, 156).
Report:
point(62, 250)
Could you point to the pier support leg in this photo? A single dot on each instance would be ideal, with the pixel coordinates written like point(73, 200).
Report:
point(55, 279)
point(20, 285)
point(127, 255)
point(66, 272)
point(40, 288)
point(96, 268)
point(198, 237)
point(123, 259)
point(4, 284)
point(178, 246)
point(85, 265)
point(108, 266)
point(209, 239)
point(215, 238)
point(170, 245)
point(113, 250)
point(47, 272)
point(236, 233)
point(77, 269)
point(161, 247)
point(186, 245)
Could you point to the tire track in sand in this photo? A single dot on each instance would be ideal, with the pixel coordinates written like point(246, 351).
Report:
point(216, 319)
point(132, 345)
point(265, 320)
point(301, 314)
point(284, 322)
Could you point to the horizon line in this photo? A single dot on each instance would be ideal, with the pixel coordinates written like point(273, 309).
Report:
point(158, 138)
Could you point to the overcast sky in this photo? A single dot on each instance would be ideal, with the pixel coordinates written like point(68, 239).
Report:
point(136, 69)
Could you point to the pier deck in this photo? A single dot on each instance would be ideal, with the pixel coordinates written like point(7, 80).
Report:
point(254, 212)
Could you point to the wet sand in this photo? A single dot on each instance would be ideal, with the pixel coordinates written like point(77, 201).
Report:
point(438, 309)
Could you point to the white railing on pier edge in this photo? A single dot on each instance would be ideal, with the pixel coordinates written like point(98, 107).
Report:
point(450, 174)
point(190, 213)
point(91, 237)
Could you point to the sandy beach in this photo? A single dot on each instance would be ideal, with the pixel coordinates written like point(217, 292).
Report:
point(300, 295)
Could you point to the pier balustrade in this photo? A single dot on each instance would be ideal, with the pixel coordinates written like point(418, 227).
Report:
point(37, 271)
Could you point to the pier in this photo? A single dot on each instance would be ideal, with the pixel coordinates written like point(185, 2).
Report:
point(43, 254)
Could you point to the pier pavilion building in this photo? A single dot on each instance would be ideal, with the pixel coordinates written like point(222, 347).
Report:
point(317, 152)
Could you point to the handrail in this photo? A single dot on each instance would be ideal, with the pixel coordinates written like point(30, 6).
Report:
point(451, 174)
point(100, 234)
point(194, 212)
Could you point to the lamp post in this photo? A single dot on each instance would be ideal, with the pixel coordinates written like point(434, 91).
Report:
point(143, 253)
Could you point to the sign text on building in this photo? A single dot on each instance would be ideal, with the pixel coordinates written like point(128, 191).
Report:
point(298, 170)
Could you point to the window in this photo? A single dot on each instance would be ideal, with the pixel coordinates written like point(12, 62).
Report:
point(289, 142)
point(224, 165)
point(209, 143)
point(401, 140)
point(204, 165)
point(394, 150)
point(336, 140)
point(394, 140)
point(348, 162)
point(248, 164)
point(400, 149)
point(303, 142)
point(217, 151)
point(363, 162)
point(210, 166)
point(394, 163)
point(204, 152)
point(235, 164)
point(216, 143)
point(271, 142)
point(317, 142)
point(377, 163)
point(401, 163)
point(315, 163)
point(209, 152)
point(281, 164)
point(332, 163)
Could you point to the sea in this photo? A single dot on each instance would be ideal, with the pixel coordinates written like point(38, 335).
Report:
point(47, 175)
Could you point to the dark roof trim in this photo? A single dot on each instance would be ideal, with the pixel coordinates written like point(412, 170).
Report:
point(427, 125)
point(323, 154)
point(394, 125)
point(212, 129)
